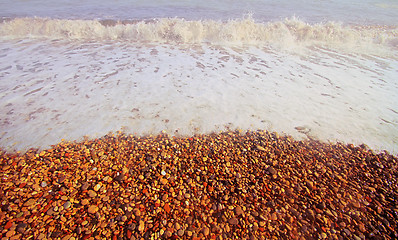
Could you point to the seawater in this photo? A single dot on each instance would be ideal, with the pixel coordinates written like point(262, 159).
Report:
point(325, 70)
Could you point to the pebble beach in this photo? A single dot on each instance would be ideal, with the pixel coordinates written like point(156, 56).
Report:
point(229, 185)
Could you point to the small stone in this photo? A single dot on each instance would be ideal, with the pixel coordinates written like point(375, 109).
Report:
point(255, 226)
point(8, 225)
point(137, 212)
point(310, 214)
point(21, 227)
point(260, 148)
point(85, 201)
point(85, 186)
point(163, 173)
point(61, 179)
point(255, 214)
point(10, 233)
point(92, 209)
point(309, 184)
point(97, 187)
point(50, 211)
point(347, 232)
point(167, 208)
point(92, 194)
point(56, 234)
point(233, 221)
point(274, 217)
point(119, 177)
point(30, 202)
point(141, 226)
point(379, 210)
point(67, 205)
point(168, 234)
point(180, 232)
point(41, 236)
point(206, 231)
point(356, 204)
point(67, 237)
point(361, 227)
point(271, 170)
point(342, 224)
point(165, 197)
point(227, 228)
point(238, 211)
point(177, 226)
point(163, 181)
point(356, 237)
point(321, 205)
point(131, 226)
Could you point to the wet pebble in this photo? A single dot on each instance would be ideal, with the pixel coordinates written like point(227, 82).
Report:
point(238, 211)
point(92, 209)
point(67, 204)
point(271, 170)
point(85, 186)
point(233, 221)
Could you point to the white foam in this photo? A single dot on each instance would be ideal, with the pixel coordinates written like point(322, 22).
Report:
point(53, 90)
point(291, 34)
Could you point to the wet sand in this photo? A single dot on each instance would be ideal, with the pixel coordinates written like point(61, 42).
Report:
point(231, 185)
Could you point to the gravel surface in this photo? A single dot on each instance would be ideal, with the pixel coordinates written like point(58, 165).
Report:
point(231, 185)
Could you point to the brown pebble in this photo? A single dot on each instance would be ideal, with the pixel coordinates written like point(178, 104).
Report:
point(271, 170)
point(91, 193)
point(67, 204)
point(141, 226)
point(168, 234)
point(180, 232)
point(21, 227)
point(137, 212)
point(361, 227)
point(206, 231)
point(85, 186)
point(177, 226)
point(10, 233)
point(274, 217)
point(233, 221)
point(309, 184)
point(92, 209)
point(238, 211)
point(163, 181)
point(30, 202)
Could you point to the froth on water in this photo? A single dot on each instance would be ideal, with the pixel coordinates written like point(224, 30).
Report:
point(288, 34)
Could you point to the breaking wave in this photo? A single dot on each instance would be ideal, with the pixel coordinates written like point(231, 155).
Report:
point(288, 33)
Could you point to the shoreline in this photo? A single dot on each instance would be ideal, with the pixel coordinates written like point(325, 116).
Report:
point(227, 185)
point(306, 137)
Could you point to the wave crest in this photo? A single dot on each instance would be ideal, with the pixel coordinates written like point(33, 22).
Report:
point(288, 33)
